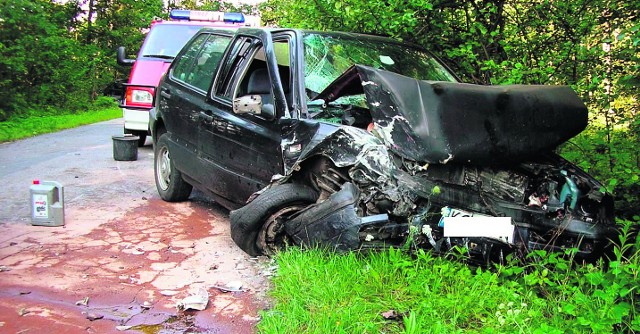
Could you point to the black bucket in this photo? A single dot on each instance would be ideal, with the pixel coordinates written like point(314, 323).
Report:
point(125, 148)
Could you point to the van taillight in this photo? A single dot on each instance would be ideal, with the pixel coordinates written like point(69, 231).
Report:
point(139, 96)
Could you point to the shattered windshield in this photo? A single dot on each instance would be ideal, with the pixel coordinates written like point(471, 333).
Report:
point(166, 40)
point(328, 56)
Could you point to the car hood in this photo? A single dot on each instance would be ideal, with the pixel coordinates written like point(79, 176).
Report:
point(148, 72)
point(438, 122)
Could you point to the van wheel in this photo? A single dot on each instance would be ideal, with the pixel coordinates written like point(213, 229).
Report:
point(142, 139)
point(169, 182)
point(258, 227)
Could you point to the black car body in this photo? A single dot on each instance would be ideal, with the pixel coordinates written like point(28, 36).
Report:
point(352, 141)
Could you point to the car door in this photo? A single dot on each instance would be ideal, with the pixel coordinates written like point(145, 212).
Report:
point(186, 96)
point(244, 147)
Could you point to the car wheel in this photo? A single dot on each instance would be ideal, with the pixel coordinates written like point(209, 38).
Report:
point(169, 182)
point(258, 227)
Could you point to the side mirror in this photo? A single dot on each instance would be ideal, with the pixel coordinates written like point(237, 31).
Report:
point(252, 104)
point(122, 60)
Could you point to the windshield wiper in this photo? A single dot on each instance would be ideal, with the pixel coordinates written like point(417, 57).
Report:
point(159, 56)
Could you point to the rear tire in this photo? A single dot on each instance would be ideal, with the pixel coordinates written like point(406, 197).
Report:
point(169, 182)
point(257, 227)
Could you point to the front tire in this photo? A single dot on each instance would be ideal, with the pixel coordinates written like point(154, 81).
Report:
point(257, 228)
point(169, 182)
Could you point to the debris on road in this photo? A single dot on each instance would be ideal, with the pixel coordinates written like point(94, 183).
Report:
point(84, 302)
point(233, 286)
point(168, 293)
point(94, 316)
point(197, 301)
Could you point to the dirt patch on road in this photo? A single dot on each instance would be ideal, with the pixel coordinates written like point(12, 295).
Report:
point(130, 272)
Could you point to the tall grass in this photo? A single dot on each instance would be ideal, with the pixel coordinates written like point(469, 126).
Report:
point(394, 292)
point(39, 122)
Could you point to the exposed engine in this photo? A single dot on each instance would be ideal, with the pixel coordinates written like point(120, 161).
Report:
point(543, 200)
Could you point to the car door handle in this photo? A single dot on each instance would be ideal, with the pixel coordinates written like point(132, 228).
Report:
point(206, 118)
point(165, 93)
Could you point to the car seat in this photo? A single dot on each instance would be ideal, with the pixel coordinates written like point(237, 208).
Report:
point(259, 84)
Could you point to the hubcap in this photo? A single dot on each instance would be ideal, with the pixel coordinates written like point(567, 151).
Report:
point(163, 166)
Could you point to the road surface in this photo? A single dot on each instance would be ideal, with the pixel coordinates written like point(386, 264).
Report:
point(124, 258)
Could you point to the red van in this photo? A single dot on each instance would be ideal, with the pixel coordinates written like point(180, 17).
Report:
point(161, 45)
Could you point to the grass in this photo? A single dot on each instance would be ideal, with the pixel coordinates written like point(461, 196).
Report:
point(33, 125)
point(393, 292)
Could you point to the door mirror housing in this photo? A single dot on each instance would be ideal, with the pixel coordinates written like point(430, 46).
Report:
point(122, 60)
point(252, 104)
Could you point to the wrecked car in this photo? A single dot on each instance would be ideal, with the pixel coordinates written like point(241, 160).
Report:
point(355, 142)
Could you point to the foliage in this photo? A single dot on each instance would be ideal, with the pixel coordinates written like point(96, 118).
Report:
point(320, 292)
point(33, 123)
point(40, 64)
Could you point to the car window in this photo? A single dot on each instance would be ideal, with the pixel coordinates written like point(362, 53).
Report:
point(198, 64)
point(183, 64)
point(207, 61)
point(328, 56)
point(239, 52)
point(256, 79)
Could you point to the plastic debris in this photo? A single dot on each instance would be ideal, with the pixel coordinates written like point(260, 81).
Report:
point(168, 293)
point(123, 328)
point(233, 286)
point(197, 301)
point(84, 301)
point(390, 315)
point(138, 251)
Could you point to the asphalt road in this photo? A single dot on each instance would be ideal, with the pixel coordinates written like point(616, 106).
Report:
point(130, 255)
point(81, 159)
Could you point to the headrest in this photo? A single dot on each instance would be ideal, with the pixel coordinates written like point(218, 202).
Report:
point(259, 81)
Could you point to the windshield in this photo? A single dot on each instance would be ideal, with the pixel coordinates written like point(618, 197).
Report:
point(166, 40)
point(328, 56)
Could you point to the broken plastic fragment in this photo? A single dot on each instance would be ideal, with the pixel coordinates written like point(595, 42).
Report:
point(390, 315)
point(84, 302)
point(197, 301)
point(138, 251)
point(168, 293)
